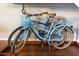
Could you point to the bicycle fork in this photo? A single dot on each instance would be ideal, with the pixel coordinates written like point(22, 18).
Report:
point(48, 38)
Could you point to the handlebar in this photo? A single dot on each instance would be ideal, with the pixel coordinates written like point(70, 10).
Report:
point(40, 14)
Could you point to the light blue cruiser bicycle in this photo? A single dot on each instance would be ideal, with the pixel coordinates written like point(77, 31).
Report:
point(56, 34)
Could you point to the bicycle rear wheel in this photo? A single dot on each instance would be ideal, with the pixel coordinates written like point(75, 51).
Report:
point(67, 34)
point(19, 41)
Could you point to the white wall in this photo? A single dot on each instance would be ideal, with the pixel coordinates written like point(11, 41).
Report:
point(10, 14)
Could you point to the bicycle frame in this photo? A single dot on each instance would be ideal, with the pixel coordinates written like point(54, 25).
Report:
point(27, 23)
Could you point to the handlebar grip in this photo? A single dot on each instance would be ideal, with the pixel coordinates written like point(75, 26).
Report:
point(44, 13)
point(40, 14)
point(29, 14)
point(36, 14)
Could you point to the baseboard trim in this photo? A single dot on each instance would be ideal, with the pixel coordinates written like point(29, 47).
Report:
point(39, 42)
point(77, 44)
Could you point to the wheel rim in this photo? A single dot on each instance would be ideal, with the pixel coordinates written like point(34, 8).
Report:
point(68, 37)
point(57, 43)
point(19, 45)
point(13, 35)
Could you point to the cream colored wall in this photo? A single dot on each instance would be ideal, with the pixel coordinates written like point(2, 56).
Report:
point(8, 19)
point(10, 14)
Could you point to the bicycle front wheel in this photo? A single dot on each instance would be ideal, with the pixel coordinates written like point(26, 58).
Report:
point(20, 41)
point(13, 35)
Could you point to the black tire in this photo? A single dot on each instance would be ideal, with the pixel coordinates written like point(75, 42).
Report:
point(11, 35)
point(16, 50)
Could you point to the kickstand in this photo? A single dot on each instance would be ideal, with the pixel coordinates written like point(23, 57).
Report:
point(49, 47)
point(42, 44)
